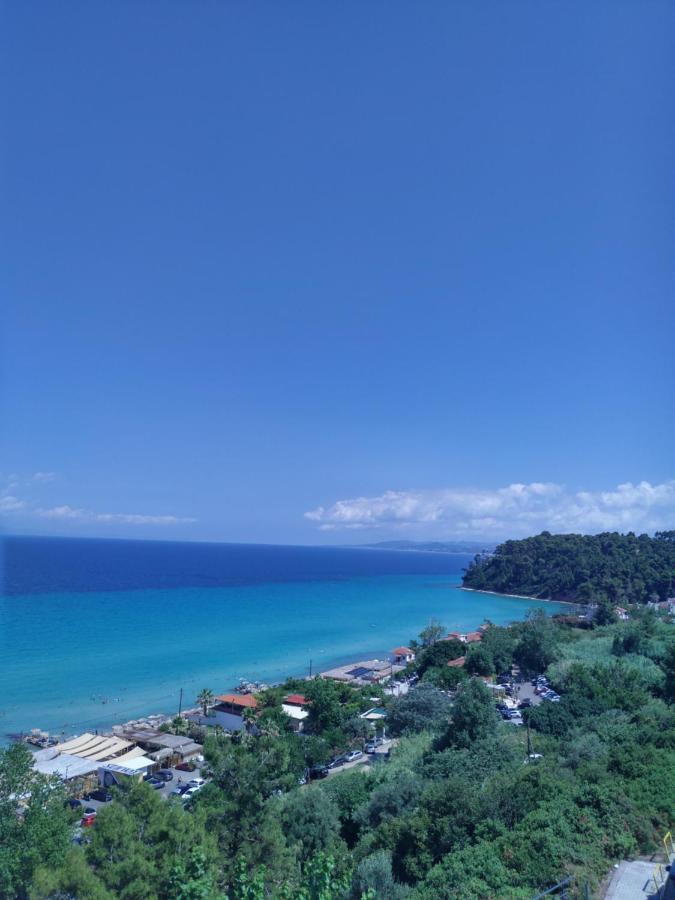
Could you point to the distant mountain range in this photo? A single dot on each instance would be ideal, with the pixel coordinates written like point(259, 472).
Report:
point(433, 546)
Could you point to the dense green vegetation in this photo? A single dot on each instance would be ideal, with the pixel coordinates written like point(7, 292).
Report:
point(623, 568)
point(459, 810)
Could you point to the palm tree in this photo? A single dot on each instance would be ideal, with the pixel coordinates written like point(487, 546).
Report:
point(205, 699)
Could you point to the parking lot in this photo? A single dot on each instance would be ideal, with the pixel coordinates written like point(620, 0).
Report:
point(367, 758)
point(179, 778)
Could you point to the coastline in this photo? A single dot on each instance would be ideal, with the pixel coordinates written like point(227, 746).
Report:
point(273, 631)
point(367, 652)
point(518, 596)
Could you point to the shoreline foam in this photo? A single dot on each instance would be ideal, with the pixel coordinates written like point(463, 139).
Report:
point(518, 596)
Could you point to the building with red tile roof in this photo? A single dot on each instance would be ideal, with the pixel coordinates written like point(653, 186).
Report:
point(457, 663)
point(296, 700)
point(239, 701)
point(402, 655)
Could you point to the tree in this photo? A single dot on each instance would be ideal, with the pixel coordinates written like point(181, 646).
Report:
point(205, 699)
point(373, 874)
point(479, 660)
point(191, 878)
point(325, 709)
point(438, 654)
point(500, 643)
point(71, 878)
point(473, 716)
point(433, 632)
point(536, 649)
point(391, 799)
point(310, 821)
point(605, 614)
point(35, 828)
point(424, 707)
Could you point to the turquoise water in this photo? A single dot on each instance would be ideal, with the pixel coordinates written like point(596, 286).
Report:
point(75, 660)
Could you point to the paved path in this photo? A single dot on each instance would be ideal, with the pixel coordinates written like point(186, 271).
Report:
point(632, 881)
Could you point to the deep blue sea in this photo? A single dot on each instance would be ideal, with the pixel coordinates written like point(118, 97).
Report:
point(94, 632)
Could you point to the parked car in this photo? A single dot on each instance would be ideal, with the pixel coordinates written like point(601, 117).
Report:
point(155, 783)
point(379, 740)
point(89, 811)
point(189, 766)
point(338, 761)
point(164, 774)
point(101, 794)
point(535, 756)
point(371, 747)
point(73, 803)
point(178, 791)
point(318, 772)
point(88, 821)
point(525, 704)
point(196, 783)
point(354, 754)
point(190, 792)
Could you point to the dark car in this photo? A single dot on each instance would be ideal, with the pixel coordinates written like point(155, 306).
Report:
point(155, 783)
point(101, 795)
point(524, 704)
point(178, 791)
point(72, 803)
point(164, 774)
point(186, 766)
point(318, 772)
point(338, 761)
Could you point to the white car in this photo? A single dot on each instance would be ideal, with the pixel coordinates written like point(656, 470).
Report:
point(354, 754)
point(190, 793)
point(196, 783)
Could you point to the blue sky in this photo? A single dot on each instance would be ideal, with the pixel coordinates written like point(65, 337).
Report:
point(406, 268)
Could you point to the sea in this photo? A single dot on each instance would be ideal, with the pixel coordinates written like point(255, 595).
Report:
point(98, 632)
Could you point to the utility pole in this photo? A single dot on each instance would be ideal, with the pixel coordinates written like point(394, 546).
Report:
point(180, 703)
point(310, 668)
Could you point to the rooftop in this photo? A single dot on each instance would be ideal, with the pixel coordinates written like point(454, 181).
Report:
point(130, 766)
point(377, 712)
point(247, 701)
point(296, 699)
point(402, 651)
point(51, 762)
point(94, 746)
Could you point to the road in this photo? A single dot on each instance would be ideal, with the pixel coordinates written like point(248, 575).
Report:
point(367, 759)
point(632, 880)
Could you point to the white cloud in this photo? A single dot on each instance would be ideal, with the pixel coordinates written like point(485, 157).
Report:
point(514, 510)
point(85, 515)
point(11, 503)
